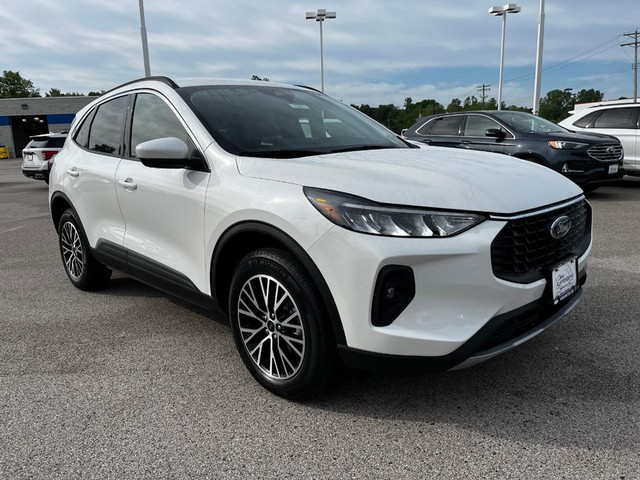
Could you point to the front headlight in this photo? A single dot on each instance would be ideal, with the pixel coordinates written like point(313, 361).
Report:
point(362, 215)
point(564, 145)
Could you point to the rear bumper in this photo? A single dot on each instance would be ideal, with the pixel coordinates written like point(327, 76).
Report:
point(36, 173)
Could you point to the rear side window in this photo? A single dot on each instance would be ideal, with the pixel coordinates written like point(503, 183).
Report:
point(617, 118)
point(446, 125)
point(105, 135)
point(586, 120)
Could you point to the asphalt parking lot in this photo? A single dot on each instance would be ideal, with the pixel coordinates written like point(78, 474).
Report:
point(131, 383)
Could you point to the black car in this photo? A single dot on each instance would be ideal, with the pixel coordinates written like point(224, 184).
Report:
point(587, 159)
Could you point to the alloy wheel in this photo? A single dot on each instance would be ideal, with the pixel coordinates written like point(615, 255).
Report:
point(72, 253)
point(271, 327)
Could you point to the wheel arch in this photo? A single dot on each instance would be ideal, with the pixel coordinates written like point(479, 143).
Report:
point(243, 238)
point(59, 204)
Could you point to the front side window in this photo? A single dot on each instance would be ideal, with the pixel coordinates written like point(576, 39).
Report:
point(152, 119)
point(282, 122)
point(617, 118)
point(477, 125)
point(105, 135)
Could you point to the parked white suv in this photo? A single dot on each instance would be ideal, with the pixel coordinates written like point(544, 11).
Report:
point(350, 245)
point(620, 120)
point(39, 153)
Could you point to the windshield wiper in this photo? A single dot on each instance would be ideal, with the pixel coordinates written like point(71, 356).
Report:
point(279, 153)
point(356, 148)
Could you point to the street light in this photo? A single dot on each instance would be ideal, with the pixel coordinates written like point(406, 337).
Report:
point(502, 12)
point(319, 16)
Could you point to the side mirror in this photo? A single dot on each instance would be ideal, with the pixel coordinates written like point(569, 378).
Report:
point(495, 132)
point(168, 152)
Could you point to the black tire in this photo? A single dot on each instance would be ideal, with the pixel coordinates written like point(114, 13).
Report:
point(280, 325)
point(84, 271)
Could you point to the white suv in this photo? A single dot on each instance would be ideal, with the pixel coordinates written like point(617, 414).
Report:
point(324, 236)
point(620, 120)
point(38, 155)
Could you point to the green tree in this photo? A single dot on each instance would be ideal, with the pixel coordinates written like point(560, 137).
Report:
point(556, 104)
point(12, 85)
point(455, 105)
point(588, 96)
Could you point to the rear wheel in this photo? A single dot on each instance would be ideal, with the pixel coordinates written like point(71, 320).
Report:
point(280, 326)
point(84, 271)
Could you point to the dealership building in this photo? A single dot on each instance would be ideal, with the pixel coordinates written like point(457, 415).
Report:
point(21, 118)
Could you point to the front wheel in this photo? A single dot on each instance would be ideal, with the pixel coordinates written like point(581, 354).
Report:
point(280, 325)
point(84, 271)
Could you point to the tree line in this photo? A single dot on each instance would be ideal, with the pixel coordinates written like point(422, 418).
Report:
point(555, 105)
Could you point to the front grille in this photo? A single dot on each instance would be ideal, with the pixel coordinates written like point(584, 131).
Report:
point(524, 248)
point(609, 151)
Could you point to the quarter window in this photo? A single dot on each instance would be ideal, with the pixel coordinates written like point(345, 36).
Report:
point(106, 129)
point(152, 119)
point(617, 118)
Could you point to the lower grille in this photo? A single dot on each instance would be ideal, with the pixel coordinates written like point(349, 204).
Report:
point(524, 248)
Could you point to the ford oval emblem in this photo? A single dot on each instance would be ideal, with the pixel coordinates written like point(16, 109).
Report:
point(560, 227)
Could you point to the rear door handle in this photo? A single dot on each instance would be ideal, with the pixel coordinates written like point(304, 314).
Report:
point(465, 144)
point(128, 183)
point(73, 172)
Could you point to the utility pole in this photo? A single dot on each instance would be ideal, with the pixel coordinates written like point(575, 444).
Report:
point(634, 35)
point(484, 88)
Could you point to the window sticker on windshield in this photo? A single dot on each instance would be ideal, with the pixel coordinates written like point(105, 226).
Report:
point(299, 106)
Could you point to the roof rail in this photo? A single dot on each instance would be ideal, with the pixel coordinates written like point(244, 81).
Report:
point(309, 88)
point(162, 79)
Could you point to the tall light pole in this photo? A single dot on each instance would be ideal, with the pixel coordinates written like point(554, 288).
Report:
point(319, 16)
point(502, 12)
point(145, 45)
point(536, 85)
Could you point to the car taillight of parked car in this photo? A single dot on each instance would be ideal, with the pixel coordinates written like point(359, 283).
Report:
point(48, 154)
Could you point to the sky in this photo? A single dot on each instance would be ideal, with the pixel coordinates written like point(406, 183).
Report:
point(375, 51)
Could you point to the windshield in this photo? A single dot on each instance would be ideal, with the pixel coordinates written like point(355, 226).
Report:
point(527, 123)
point(283, 122)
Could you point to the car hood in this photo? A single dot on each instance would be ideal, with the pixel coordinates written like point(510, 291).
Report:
point(581, 137)
point(429, 177)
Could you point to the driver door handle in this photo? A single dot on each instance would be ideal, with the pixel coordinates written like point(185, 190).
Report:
point(73, 172)
point(128, 183)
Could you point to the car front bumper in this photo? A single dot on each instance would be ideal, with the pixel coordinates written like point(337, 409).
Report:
point(459, 307)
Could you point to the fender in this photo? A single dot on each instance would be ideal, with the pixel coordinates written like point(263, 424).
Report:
point(222, 264)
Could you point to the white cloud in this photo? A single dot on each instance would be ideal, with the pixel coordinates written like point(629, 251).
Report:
point(375, 51)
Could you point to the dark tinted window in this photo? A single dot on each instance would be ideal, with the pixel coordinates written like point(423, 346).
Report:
point(153, 118)
point(82, 136)
point(617, 118)
point(477, 125)
point(106, 129)
point(586, 120)
point(446, 125)
point(47, 142)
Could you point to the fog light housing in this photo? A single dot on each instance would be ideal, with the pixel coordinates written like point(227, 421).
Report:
point(395, 289)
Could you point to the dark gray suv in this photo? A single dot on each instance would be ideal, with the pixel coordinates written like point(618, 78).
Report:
point(587, 159)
